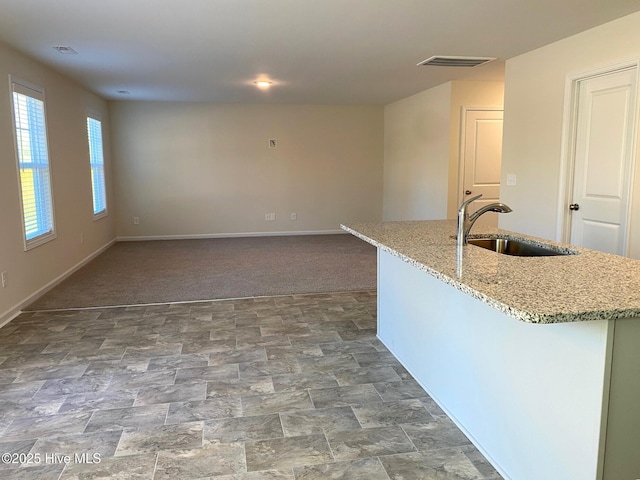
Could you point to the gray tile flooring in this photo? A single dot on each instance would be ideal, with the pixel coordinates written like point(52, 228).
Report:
point(280, 388)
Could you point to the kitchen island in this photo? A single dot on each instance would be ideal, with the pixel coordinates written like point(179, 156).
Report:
point(537, 359)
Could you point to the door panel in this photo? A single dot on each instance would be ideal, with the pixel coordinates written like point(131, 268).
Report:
point(601, 236)
point(488, 149)
point(482, 156)
point(604, 152)
point(602, 164)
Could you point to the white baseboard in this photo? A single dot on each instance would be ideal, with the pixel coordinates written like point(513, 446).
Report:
point(227, 235)
point(14, 311)
point(9, 315)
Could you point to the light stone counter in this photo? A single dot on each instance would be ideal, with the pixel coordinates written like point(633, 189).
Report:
point(589, 285)
point(556, 401)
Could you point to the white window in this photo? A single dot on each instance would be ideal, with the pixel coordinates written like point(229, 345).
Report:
point(33, 164)
point(96, 159)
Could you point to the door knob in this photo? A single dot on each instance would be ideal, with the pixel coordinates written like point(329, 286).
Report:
point(574, 206)
point(467, 192)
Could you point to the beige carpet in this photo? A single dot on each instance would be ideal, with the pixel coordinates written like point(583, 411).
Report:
point(131, 273)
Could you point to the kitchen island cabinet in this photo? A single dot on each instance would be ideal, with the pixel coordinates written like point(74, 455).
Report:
point(537, 359)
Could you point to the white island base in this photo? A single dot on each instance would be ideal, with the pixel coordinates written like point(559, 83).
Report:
point(541, 401)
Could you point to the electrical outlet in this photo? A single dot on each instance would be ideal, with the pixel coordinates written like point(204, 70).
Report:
point(294, 216)
point(136, 220)
point(4, 279)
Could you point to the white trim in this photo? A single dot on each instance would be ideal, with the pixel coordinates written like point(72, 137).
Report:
point(14, 311)
point(97, 216)
point(565, 178)
point(567, 161)
point(40, 239)
point(24, 87)
point(93, 113)
point(9, 315)
point(105, 212)
point(228, 235)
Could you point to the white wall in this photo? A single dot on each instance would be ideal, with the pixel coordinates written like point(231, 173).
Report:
point(416, 155)
point(67, 105)
point(188, 169)
point(422, 149)
point(534, 108)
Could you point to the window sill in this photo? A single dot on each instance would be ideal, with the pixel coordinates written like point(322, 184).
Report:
point(39, 240)
point(98, 216)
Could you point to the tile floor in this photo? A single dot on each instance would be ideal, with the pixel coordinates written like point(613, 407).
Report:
point(279, 388)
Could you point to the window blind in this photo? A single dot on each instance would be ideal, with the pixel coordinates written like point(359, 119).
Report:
point(33, 164)
point(96, 159)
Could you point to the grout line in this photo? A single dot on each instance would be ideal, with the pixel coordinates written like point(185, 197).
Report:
point(326, 439)
point(383, 469)
point(155, 465)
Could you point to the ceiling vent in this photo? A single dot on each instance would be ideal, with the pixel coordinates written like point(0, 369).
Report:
point(65, 50)
point(448, 61)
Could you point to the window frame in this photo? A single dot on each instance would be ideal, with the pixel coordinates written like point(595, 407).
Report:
point(28, 89)
point(105, 211)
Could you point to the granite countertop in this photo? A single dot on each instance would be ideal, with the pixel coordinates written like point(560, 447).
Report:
point(589, 285)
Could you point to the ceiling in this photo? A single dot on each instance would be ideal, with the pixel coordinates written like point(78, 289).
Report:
point(313, 51)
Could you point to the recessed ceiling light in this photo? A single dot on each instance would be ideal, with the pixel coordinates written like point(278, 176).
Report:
point(263, 83)
point(65, 50)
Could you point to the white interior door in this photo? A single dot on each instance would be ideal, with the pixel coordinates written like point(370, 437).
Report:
point(481, 159)
point(603, 161)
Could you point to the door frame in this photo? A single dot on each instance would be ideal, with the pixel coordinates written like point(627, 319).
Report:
point(463, 138)
point(569, 132)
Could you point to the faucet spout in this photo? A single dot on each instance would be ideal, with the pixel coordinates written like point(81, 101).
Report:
point(466, 221)
point(492, 207)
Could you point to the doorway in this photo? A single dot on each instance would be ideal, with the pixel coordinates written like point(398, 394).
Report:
point(596, 208)
point(480, 158)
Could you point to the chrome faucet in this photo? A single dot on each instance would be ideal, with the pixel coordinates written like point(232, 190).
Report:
point(466, 221)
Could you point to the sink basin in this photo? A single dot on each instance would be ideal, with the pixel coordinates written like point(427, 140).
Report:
point(517, 248)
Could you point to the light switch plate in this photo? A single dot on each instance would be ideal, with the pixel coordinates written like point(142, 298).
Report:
point(511, 179)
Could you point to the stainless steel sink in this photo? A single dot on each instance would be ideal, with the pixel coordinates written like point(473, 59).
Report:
point(519, 248)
